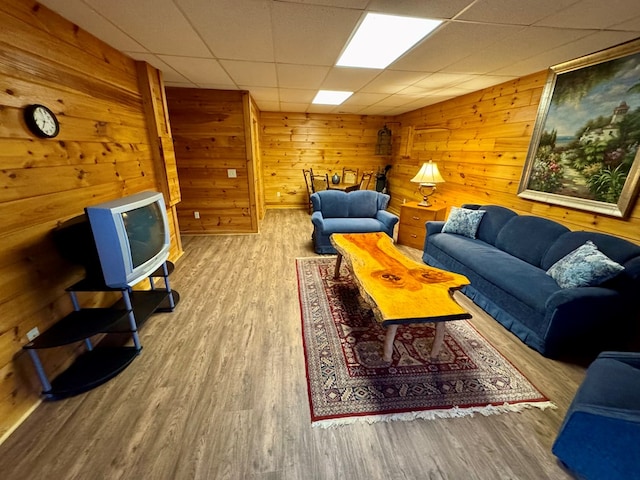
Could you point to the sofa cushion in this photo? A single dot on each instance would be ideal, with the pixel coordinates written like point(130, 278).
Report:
point(492, 222)
point(363, 204)
point(352, 225)
point(528, 237)
point(586, 266)
point(332, 203)
point(512, 276)
point(463, 221)
point(617, 249)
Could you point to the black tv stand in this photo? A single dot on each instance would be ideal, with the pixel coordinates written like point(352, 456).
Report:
point(99, 364)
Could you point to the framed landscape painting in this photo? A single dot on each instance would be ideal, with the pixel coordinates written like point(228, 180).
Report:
point(584, 152)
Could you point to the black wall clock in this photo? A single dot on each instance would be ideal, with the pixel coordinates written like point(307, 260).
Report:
point(41, 121)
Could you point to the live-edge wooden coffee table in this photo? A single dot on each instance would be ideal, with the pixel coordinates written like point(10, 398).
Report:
point(398, 289)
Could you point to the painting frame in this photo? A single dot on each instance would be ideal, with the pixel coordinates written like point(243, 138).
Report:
point(580, 69)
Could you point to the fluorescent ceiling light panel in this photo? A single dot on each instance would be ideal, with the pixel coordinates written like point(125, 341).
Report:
point(381, 39)
point(331, 97)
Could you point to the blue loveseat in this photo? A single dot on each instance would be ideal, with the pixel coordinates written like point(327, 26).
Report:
point(507, 263)
point(360, 211)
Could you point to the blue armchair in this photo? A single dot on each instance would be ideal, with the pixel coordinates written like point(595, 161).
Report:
point(360, 211)
point(600, 435)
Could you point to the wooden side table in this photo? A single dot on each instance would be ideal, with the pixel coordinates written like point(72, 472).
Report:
point(411, 230)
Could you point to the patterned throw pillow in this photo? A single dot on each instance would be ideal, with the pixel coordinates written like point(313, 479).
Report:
point(586, 266)
point(463, 221)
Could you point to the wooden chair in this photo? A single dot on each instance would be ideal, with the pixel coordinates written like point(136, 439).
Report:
point(319, 182)
point(309, 184)
point(364, 181)
point(349, 175)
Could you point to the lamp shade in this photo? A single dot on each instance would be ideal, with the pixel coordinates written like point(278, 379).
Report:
point(428, 174)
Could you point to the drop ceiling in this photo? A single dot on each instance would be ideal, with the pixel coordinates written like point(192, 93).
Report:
point(283, 52)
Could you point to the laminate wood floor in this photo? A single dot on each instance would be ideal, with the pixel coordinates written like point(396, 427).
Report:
point(219, 392)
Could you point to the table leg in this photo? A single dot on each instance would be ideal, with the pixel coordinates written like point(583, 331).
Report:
point(336, 273)
point(388, 342)
point(438, 339)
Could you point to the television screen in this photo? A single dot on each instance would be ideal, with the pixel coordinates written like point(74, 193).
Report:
point(145, 231)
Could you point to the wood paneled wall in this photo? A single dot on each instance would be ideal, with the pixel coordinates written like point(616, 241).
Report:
point(211, 132)
point(102, 152)
point(480, 143)
point(327, 143)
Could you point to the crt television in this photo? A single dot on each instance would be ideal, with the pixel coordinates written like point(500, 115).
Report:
point(122, 240)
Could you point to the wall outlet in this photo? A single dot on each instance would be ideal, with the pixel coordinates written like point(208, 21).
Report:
point(196, 214)
point(33, 333)
point(278, 194)
point(231, 173)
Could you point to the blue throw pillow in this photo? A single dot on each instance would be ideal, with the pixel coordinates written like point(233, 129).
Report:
point(463, 221)
point(586, 266)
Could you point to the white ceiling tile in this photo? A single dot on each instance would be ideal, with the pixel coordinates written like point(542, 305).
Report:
point(87, 18)
point(527, 43)
point(398, 100)
point(257, 74)
point(392, 81)
point(267, 106)
point(450, 43)
point(344, 78)
point(309, 34)
point(510, 12)
point(571, 51)
point(478, 82)
point(292, 95)
point(628, 24)
point(147, 22)
point(199, 70)
point(301, 76)
point(596, 14)
point(439, 80)
point(358, 4)
point(420, 8)
point(221, 22)
point(363, 99)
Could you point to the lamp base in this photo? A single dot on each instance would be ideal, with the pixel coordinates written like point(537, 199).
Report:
point(424, 203)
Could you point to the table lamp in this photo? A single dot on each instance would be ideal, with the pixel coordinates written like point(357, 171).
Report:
point(427, 177)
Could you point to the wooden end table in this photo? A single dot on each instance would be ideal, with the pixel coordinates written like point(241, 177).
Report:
point(398, 289)
point(411, 229)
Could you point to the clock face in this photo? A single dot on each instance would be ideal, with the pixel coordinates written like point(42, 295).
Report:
point(42, 121)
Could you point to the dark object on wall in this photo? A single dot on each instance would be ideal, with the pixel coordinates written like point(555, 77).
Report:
point(381, 180)
point(383, 145)
point(41, 121)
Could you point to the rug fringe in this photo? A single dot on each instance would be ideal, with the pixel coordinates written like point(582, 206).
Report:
point(455, 412)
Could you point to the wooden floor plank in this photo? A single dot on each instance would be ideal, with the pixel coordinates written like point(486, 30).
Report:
point(219, 392)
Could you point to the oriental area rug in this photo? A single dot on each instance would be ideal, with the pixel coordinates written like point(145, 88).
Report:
point(348, 381)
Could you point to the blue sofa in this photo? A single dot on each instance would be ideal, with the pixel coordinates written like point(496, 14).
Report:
point(600, 435)
point(360, 211)
point(507, 263)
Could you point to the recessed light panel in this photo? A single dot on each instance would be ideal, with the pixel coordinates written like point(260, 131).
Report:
point(331, 97)
point(381, 39)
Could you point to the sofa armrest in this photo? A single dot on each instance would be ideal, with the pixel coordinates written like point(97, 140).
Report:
point(317, 219)
point(630, 358)
point(388, 219)
point(586, 313)
point(434, 226)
